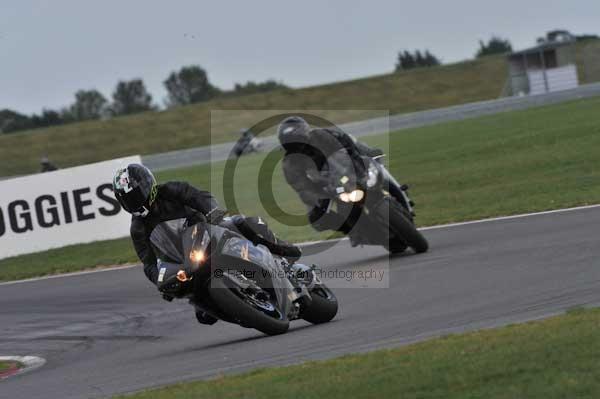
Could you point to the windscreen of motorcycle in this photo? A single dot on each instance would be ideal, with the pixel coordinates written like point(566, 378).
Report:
point(342, 171)
point(167, 239)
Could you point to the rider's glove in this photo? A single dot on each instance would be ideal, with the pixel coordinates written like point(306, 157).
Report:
point(215, 216)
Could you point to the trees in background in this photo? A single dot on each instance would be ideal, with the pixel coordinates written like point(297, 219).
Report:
point(11, 121)
point(251, 87)
point(89, 104)
point(189, 85)
point(495, 45)
point(130, 97)
point(408, 60)
point(47, 118)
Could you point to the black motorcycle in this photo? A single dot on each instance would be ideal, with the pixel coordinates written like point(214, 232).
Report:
point(372, 202)
point(246, 144)
point(229, 278)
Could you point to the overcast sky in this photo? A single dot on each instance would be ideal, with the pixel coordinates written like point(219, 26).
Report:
point(50, 49)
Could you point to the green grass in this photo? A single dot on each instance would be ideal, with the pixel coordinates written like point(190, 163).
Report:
point(68, 259)
point(533, 160)
point(190, 126)
point(553, 358)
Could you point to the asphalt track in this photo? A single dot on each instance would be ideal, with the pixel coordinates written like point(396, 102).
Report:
point(108, 333)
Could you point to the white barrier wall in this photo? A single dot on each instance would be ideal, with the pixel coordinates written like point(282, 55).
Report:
point(65, 207)
point(563, 78)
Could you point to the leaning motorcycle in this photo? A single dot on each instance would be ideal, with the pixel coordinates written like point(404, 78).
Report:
point(225, 275)
point(375, 205)
point(247, 144)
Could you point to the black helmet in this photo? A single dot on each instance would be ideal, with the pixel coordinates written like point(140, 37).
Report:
point(135, 189)
point(293, 132)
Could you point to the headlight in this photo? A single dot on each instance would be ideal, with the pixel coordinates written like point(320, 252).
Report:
point(199, 247)
point(197, 256)
point(372, 175)
point(354, 196)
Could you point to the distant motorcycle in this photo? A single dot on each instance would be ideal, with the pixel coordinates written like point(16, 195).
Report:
point(228, 277)
point(374, 203)
point(247, 144)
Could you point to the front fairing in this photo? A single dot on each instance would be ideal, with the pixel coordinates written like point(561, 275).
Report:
point(342, 172)
point(239, 255)
point(175, 242)
point(166, 238)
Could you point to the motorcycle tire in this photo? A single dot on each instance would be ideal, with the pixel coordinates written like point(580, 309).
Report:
point(404, 229)
point(248, 316)
point(322, 308)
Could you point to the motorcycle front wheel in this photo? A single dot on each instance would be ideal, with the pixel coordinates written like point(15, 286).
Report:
point(404, 231)
point(249, 312)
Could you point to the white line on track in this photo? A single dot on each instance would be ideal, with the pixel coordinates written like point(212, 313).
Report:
point(458, 224)
point(500, 218)
point(309, 243)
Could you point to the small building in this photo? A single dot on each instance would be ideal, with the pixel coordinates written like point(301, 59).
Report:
point(550, 66)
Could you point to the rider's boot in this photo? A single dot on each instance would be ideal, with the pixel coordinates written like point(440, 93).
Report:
point(288, 250)
point(257, 231)
point(355, 238)
point(205, 318)
point(201, 315)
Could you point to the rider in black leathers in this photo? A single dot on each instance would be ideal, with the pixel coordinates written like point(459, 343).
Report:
point(46, 165)
point(306, 151)
point(150, 204)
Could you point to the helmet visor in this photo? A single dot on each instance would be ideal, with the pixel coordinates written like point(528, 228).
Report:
point(143, 212)
point(132, 201)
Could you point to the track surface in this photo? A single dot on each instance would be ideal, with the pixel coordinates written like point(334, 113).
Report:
point(108, 332)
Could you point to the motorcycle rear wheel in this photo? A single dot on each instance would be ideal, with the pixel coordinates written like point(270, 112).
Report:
point(323, 307)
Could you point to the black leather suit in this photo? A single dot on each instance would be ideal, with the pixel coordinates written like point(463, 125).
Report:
point(305, 159)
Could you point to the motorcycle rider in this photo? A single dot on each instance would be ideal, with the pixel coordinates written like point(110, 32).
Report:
point(246, 136)
point(306, 151)
point(245, 143)
point(46, 165)
point(150, 203)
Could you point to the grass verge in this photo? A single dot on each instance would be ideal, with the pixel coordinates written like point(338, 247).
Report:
point(190, 126)
point(526, 161)
point(552, 358)
point(68, 259)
